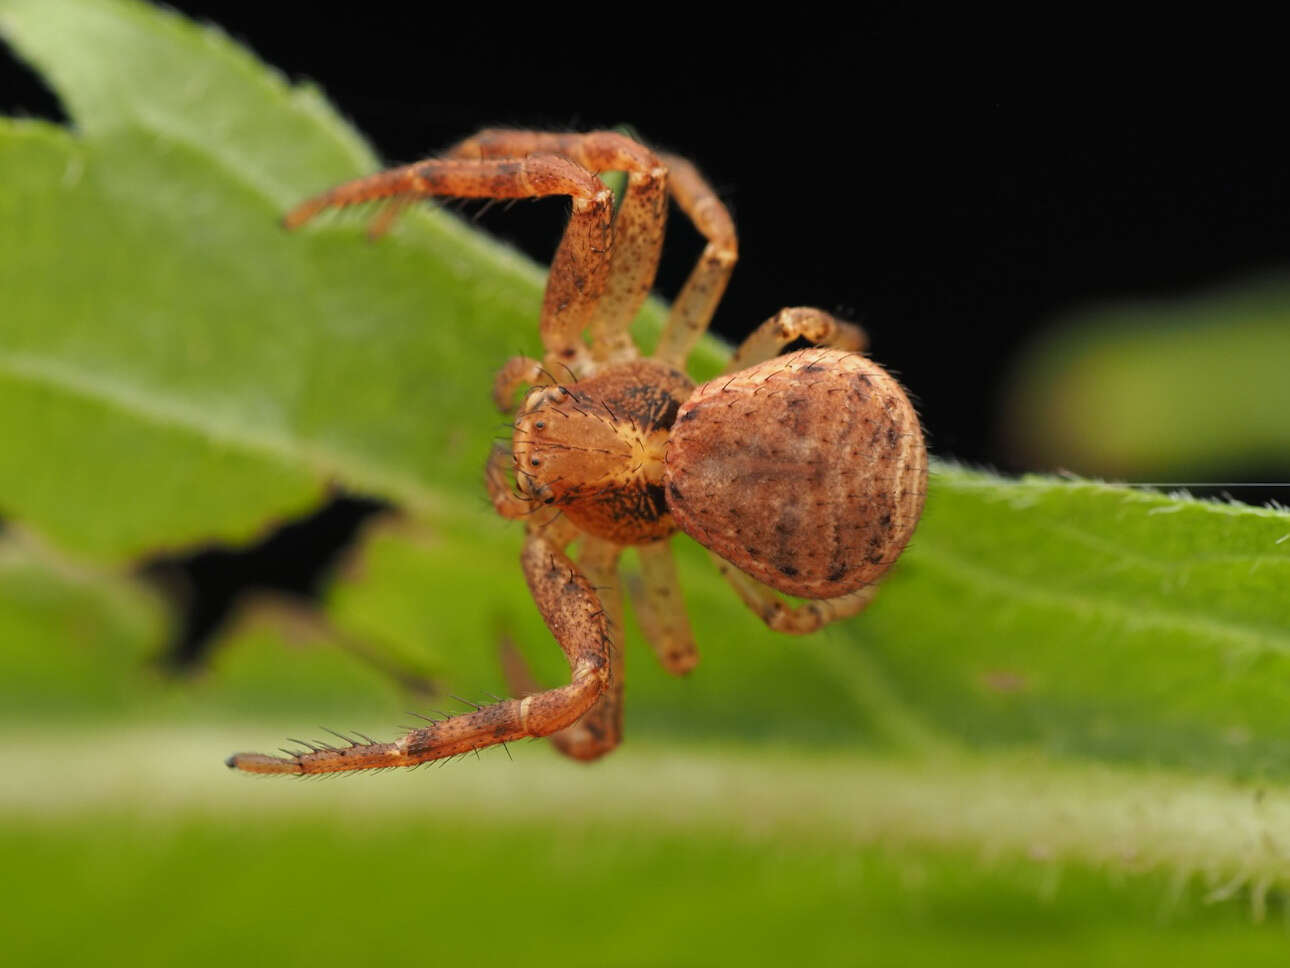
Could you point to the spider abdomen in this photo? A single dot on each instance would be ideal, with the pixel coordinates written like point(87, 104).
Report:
point(807, 471)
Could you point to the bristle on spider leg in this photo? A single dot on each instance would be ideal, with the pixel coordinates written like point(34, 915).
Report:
point(483, 210)
point(338, 735)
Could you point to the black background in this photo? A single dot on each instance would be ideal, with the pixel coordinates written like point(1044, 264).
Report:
point(950, 204)
point(947, 195)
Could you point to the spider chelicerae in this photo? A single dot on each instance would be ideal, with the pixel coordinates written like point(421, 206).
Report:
point(803, 474)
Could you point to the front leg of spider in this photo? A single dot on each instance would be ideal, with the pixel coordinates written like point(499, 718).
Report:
point(572, 611)
point(600, 729)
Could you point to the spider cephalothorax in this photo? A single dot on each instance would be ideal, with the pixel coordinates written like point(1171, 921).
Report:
point(597, 449)
point(802, 473)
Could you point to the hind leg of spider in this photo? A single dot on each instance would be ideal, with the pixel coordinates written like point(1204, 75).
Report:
point(580, 268)
point(572, 611)
point(600, 728)
point(660, 610)
point(798, 322)
point(808, 616)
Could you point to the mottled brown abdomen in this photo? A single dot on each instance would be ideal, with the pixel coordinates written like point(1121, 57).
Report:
point(807, 471)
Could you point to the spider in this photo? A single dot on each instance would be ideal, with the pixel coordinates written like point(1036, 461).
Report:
point(803, 474)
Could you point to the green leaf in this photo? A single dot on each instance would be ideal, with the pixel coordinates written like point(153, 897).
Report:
point(669, 879)
point(1055, 664)
point(72, 641)
point(1191, 388)
point(1088, 618)
point(1070, 616)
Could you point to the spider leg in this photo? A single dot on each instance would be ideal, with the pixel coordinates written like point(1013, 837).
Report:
point(580, 268)
point(505, 501)
point(660, 611)
point(516, 372)
point(548, 520)
point(808, 616)
point(638, 226)
point(601, 727)
point(799, 322)
point(573, 612)
point(693, 307)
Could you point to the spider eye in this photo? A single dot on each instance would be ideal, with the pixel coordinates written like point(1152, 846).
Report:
point(535, 462)
point(539, 425)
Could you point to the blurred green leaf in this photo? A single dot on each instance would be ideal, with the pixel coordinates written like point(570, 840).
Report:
point(660, 894)
point(1170, 389)
point(72, 641)
point(175, 369)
